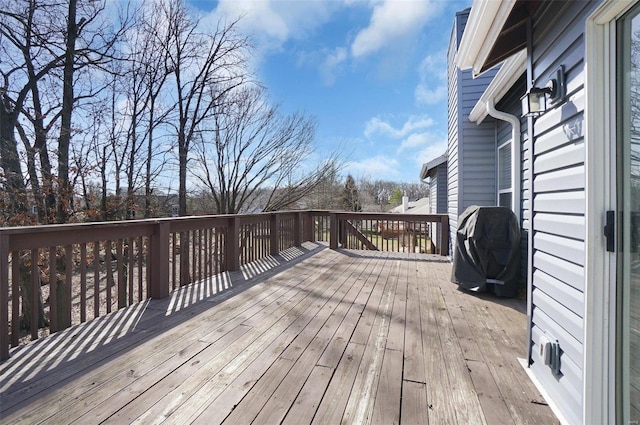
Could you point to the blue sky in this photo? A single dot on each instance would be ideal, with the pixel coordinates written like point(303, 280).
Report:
point(373, 73)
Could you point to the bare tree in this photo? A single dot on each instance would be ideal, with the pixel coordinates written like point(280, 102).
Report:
point(205, 67)
point(47, 48)
point(251, 147)
point(46, 59)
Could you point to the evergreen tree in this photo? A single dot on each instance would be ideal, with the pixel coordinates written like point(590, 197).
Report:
point(396, 197)
point(350, 200)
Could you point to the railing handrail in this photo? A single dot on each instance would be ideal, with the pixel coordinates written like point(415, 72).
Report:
point(171, 247)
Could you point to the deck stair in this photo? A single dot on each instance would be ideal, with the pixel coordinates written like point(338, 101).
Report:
point(360, 236)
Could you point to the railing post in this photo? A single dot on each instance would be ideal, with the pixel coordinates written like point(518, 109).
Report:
point(159, 258)
point(333, 231)
point(233, 244)
point(4, 297)
point(275, 234)
point(444, 235)
point(297, 229)
point(309, 233)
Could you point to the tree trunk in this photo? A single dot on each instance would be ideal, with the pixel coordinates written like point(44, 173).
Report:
point(15, 190)
point(65, 195)
point(27, 267)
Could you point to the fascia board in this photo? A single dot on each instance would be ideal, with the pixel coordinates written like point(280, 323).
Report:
point(502, 82)
point(485, 22)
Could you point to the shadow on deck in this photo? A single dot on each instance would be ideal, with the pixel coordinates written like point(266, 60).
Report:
point(311, 336)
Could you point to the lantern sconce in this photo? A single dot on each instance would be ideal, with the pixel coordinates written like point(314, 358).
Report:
point(536, 99)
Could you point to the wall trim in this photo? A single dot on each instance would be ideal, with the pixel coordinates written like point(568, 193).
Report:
point(599, 373)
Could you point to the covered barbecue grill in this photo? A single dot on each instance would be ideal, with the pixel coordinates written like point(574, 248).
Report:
point(487, 251)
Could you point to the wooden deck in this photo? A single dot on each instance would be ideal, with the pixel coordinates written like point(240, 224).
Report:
point(313, 336)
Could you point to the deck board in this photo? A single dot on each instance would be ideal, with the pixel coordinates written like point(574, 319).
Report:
point(324, 337)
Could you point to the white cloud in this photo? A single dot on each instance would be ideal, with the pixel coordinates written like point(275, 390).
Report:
point(330, 65)
point(378, 126)
point(430, 96)
point(432, 72)
point(434, 150)
point(375, 166)
point(271, 23)
point(416, 140)
point(391, 22)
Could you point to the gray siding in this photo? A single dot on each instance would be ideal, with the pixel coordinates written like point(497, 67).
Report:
point(438, 189)
point(471, 155)
point(556, 164)
point(511, 104)
point(438, 195)
point(452, 137)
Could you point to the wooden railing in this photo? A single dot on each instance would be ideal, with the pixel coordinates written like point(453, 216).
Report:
point(384, 232)
point(53, 277)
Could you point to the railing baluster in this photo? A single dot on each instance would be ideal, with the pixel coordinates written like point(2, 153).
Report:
point(109, 280)
point(16, 294)
point(130, 269)
point(140, 256)
point(83, 282)
point(96, 279)
point(4, 298)
point(122, 285)
point(173, 261)
point(193, 249)
point(68, 270)
point(54, 325)
point(35, 293)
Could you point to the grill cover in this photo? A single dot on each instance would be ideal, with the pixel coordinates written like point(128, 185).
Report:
point(487, 254)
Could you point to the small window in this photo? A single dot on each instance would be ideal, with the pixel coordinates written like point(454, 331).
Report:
point(505, 186)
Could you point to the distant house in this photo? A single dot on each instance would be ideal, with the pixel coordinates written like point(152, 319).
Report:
point(568, 164)
point(435, 171)
point(420, 206)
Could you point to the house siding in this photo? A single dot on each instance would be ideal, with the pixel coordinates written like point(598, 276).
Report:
point(438, 196)
point(471, 154)
point(452, 137)
point(511, 104)
point(556, 163)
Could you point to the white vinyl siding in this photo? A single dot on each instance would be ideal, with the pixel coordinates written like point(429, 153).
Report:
point(557, 205)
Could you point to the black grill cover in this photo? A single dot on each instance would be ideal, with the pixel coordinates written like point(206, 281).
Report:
point(487, 254)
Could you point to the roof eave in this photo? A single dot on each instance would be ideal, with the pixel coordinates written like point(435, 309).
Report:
point(502, 82)
point(428, 166)
point(485, 23)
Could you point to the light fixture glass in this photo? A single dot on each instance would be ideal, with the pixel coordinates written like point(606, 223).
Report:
point(536, 100)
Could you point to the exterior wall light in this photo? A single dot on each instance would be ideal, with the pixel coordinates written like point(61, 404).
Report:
point(535, 100)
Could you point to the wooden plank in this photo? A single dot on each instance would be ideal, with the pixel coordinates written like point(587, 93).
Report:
point(224, 383)
point(167, 372)
point(496, 321)
point(275, 410)
point(441, 410)
point(414, 403)
point(395, 340)
point(295, 364)
point(220, 316)
point(489, 395)
point(493, 403)
point(308, 399)
point(79, 396)
point(338, 304)
point(365, 324)
point(246, 411)
point(332, 407)
point(413, 351)
point(361, 401)
point(386, 408)
point(462, 394)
